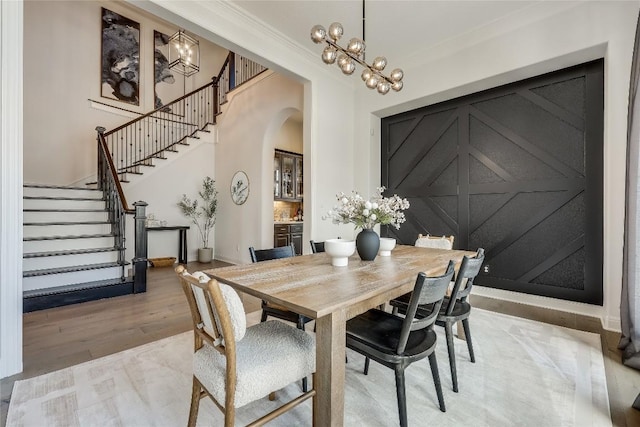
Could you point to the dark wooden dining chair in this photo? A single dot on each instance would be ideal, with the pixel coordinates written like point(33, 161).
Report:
point(455, 308)
point(316, 246)
point(396, 342)
point(233, 364)
point(275, 310)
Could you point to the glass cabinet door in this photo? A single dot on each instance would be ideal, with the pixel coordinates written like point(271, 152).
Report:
point(277, 177)
point(287, 177)
point(299, 184)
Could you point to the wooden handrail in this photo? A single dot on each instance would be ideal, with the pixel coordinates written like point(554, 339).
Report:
point(114, 173)
point(157, 110)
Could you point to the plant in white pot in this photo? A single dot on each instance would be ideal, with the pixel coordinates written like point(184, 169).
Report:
point(202, 215)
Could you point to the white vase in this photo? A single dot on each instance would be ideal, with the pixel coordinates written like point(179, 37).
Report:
point(205, 254)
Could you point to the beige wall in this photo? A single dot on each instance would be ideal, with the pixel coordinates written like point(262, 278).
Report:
point(62, 57)
point(289, 137)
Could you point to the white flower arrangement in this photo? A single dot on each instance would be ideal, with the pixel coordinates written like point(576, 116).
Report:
point(363, 213)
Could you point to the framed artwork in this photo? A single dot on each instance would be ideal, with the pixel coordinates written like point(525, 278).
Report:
point(120, 58)
point(168, 85)
point(239, 188)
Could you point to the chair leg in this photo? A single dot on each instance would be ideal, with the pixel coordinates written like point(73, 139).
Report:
point(436, 380)
point(467, 334)
point(264, 316)
point(195, 403)
point(448, 328)
point(402, 396)
point(366, 366)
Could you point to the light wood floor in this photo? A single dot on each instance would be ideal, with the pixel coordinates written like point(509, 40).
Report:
point(65, 336)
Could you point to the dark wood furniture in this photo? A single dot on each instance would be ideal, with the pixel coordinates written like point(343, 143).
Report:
point(182, 239)
point(288, 234)
point(311, 286)
point(454, 309)
point(316, 246)
point(288, 177)
point(397, 342)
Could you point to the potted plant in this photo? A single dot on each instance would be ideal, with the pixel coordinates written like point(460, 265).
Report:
point(365, 214)
point(203, 216)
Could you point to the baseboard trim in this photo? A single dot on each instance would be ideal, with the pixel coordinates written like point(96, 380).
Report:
point(74, 294)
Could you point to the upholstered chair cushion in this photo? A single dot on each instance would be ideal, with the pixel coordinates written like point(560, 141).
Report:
point(433, 242)
point(231, 299)
point(271, 356)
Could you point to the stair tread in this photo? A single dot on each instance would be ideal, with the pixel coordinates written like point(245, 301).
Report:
point(67, 237)
point(64, 210)
point(71, 269)
point(69, 252)
point(74, 287)
point(69, 223)
point(60, 187)
point(94, 199)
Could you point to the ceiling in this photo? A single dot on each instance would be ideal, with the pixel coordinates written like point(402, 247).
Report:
point(397, 29)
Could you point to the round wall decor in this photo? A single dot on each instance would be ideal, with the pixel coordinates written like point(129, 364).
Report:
point(239, 188)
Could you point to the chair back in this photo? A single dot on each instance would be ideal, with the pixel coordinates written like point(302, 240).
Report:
point(436, 242)
point(469, 269)
point(317, 247)
point(209, 313)
point(427, 290)
point(274, 253)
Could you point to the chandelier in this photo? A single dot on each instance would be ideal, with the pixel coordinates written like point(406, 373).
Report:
point(184, 54)
point(354, 52)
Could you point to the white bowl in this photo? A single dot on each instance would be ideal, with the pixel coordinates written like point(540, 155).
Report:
point(386, 246)
point(339, 250)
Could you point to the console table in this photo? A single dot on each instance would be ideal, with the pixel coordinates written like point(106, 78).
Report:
point(182, 239)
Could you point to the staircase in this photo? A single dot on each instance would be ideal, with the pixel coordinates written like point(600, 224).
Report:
point(71, 251)
point(74, 245)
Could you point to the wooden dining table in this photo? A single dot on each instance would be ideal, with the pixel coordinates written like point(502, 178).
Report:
point(311, 286)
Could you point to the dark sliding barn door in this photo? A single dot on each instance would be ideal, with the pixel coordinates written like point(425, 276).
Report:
point(516, 170)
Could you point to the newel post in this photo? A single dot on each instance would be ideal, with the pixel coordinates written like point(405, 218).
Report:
point(100, 169)
point(216, 100)
point(140, 256)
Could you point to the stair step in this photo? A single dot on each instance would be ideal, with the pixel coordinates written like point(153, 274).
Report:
point(79, 236)
point(66, 243)
point(59, 187)
point(64, 210)
point(61, 270)
point(92, 199)
point(40, 299)
point(68, 252)
point(68, 223)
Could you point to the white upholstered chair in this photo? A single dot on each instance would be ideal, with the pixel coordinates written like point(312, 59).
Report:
point(235, 365)
point(437, 242)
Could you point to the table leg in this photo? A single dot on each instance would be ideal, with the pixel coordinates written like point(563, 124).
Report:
point(182, 246)
point(328, 408)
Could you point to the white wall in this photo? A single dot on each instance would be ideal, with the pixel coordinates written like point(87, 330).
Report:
point(11, 68)
point(289, 136)
point(59, 136)
point(542, 38)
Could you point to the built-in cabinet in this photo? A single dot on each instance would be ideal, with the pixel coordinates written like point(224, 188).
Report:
point(285, 234)
point(287, 176)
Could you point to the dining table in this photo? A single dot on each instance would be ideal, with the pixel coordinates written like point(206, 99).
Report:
point(311, 286)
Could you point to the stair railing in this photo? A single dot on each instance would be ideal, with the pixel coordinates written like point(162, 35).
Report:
point(235, 71)
point(123, 150)
point(117, 207)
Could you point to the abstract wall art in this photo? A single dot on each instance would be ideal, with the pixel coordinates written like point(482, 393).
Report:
point(168, 85)
point(120, 58)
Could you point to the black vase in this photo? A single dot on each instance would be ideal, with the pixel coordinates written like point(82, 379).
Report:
point(367, 243)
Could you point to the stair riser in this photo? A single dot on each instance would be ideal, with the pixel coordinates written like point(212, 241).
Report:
point(62, 204)
point(41, 263)
point(65, 230)
point(53, 280)
point(57, 192)
point(64, 216)
point(66, 244)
